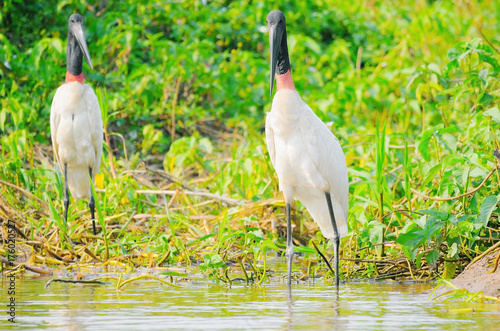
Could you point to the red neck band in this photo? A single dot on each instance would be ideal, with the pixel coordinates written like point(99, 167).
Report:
point(72, 78)
point(285, 81)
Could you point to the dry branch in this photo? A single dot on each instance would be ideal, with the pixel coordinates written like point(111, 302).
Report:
point(26, 266)
point(76, 282)
point(227, 200)
point(458, 196)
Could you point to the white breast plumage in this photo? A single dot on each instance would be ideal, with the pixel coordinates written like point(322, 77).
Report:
point(308, 160)
point(77, 134)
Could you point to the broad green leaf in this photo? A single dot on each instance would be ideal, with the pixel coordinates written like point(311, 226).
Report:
point(449, 270)
point(431, 174)
point(434, 68)
point(410, 253)
point(421, 221)
point(432, 256)
point(494, 112)
point(487, 207)
point(412, 239)
point(484, 98)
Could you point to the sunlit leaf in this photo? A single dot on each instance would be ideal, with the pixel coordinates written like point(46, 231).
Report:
point(494, 112)
point(487, 207)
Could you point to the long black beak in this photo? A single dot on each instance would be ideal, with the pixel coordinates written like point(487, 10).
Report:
point(274, 42)
point(77, 30)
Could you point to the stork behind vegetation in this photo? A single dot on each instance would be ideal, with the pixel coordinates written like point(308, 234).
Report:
point(75, 122)
point(307, 157)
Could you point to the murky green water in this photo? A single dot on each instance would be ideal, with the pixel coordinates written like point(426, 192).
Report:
point(150, 305)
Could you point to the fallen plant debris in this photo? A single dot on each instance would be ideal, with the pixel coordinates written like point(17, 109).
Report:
point(185, 179)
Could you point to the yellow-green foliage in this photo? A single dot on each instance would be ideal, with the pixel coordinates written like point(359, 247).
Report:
point(410, 88)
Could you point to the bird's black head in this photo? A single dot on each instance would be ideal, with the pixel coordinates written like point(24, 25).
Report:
point(274, 17)
point(280, 62)
point(77, 47)
point(76, 18)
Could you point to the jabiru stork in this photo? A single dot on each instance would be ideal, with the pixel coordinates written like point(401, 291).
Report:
point(307, 157)
point(75, 122)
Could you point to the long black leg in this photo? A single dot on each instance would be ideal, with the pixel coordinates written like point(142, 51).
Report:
point(289, 245)
point(92, 204)
point(336, 240)
point(66, 194)
point(66, 202)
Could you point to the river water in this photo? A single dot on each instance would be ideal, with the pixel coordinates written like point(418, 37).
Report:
point(150, 305)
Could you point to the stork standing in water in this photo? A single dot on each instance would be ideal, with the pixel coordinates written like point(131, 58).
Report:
point(306, 155)
point(75, 122)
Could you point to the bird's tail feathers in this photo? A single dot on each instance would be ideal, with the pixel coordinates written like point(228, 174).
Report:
point(79, 182)
point(318, 209)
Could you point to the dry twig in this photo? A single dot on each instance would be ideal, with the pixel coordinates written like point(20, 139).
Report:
point(229, 201)
point(458, 196)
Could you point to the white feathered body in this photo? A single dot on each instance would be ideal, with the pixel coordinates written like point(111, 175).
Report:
point(77, 133)
point(308, 159)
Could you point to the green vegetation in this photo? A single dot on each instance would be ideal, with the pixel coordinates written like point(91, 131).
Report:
point(411, 90)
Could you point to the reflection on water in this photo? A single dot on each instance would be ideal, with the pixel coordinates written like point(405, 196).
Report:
point(206, 306)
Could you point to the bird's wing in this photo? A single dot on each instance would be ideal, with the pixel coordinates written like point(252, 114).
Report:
point(55, 117)
point(270, 140)
point(96, 126)
point(326, 153)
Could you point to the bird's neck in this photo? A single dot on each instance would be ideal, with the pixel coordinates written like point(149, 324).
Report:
point(74, 61)
point(72, 78)
point(285, 81)
point(283, 74)
point(283, 61)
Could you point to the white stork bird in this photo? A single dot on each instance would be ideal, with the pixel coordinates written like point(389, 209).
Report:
point(75, 122)
point(306, 155)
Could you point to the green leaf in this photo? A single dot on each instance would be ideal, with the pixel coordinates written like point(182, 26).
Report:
point(423, 144)
point(313, 45)
point(453, 251)
point(442, 215)
point(432, 256)
point(434, 68)
point(483, 76)
point(494, 112)
point(57, 44)
point(474, 43)
point(421, 221)
point(432, 227)
point(453, 54)
point(269, 244)
point(449, 270)
point(429, 176)
point(484, 98)
point(411, 239)
point(487, 207)
point(410, 253)
point(376, 232)
point(3, 117)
